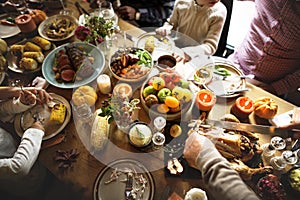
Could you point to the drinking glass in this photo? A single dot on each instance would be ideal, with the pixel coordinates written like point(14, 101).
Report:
point(107, 12)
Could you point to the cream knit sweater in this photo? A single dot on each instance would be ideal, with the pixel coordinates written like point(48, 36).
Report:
point(203, 24)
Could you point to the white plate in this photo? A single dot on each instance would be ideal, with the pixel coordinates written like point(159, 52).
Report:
point(116, 189)
point(7, 31)
point(44, 27)
point(13, 61)
point(162, 45)
point(93, 51)
point(24, 120)
point(233, 82)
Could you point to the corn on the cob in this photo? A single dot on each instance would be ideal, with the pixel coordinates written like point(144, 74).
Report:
point(29, 46)
point(99, 132)
point(43, 43)
point(28, 64)
point(17, 50)
point(58, 113)
point(37, 55)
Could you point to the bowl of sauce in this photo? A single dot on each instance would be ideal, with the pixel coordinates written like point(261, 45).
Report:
point(139, 134)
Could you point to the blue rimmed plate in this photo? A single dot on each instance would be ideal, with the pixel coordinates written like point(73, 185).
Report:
point(91, 50)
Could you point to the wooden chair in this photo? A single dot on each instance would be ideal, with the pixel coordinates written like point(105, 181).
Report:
point(222, 51)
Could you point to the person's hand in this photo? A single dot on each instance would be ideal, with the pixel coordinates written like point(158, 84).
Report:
point(38, 125)
point(40, 94)
point(183, 59)
point(127, 12)
point(196, 145)
point(162, 31)
point(27, 97)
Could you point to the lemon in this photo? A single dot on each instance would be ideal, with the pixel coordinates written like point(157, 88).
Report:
point(175, 130)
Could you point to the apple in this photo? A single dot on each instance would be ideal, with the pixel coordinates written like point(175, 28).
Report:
point(158, 83)
point(184, 83)
point(151, 99)
point(148, 90)
point(187, 95)
point(178, 92)
point(163, 93)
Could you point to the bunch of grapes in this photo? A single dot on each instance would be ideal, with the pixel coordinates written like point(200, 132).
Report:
point(269, 187)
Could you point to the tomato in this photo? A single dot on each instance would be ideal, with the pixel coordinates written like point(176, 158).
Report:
point(205, 100)
point(242, 107)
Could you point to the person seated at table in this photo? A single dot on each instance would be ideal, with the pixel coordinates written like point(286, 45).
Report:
point(202, 20)
point(142, 13)
point(20, 174)
point(223, 182)
point(271, 49)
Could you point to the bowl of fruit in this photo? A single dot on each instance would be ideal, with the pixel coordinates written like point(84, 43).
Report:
point(131, 64)
point(167, 94)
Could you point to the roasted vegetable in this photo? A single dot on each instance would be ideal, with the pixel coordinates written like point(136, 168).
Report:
point(28, 64)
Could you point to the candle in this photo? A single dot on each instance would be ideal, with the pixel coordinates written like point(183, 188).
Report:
point(25, 23)
point(123, 89)
point(104, 85)
point(242, 107)
point(205, 100)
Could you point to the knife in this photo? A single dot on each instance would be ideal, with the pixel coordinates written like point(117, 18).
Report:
point(263, 129)
point(128, 187)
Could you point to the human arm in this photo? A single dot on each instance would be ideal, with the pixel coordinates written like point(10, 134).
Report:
point(221, 179)
point(19, 100)
point(26, 154)
point(146, 13)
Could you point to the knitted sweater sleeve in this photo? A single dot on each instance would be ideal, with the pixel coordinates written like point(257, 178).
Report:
point(25, 156)
point(223, 182)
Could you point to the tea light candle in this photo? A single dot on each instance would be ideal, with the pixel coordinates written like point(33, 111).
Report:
point(104, 84)
point(205, 100)
point(123, 89)
point(25, 23)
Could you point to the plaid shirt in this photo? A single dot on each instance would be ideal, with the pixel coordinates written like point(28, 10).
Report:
point(271, 50)
point(153, 12)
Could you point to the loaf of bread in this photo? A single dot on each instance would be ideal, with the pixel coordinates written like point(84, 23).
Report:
point(58, 113)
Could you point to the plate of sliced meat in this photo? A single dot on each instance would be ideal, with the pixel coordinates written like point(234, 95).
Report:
point(73, 64)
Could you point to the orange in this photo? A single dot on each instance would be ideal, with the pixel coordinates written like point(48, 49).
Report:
point(171, 102)
point(163, 108)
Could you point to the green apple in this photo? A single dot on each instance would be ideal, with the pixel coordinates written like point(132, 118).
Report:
point(148, 90)
point(163, 93)
point(187, 95)
point(183, 83)
point(177, 92)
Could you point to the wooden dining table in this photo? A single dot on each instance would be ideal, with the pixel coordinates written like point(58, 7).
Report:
point(83, 174)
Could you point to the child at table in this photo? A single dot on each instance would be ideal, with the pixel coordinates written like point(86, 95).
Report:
point(20, 175)
point(202, 20)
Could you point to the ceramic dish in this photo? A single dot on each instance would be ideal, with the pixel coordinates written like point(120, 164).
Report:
point(222, 85)
point(13, 61)
point(93, 51)
point(128, 60)
point(47, 26)
point(7, 31)
point(24, 120)
point(161, 45)
point(104, 189)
